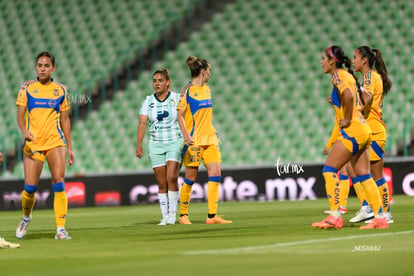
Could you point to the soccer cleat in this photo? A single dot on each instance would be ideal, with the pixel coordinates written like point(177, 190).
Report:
point(329, 222)
point(376, 223)
point(22, 227)
point(184, 220)
point(388, 215)
point(343, 210)
point(171, 219)
point(62, 234)
point(217, 220)
point(5, 244)
point(163, 221)
point(362, 215)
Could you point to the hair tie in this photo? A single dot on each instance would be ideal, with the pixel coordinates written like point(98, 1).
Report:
point(330, 53)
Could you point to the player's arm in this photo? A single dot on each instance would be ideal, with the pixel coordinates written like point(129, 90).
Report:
point(142, 125)
point(348, 104)
point(367, 99)
point(65, 122)
point(180, 118)
point(21, 122)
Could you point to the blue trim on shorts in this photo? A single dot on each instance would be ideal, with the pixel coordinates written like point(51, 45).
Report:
point(329, 169)
point(381, 182)
point(30, 188)
point(58, 187)
point(215, 178)
point(377, 149)
point(355, 146)
point(184, 151)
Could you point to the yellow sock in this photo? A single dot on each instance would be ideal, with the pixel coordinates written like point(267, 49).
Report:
point(359, 190)
point(185, 196)
point(28, 202)
point(371, 192)
point(212, 197)
point(344, 188)
point(332, 187)
point(384, 193)
point(61, 208)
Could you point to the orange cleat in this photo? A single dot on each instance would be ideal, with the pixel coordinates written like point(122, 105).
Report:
point(329, 222)
point(217, 220)
point(376, 223)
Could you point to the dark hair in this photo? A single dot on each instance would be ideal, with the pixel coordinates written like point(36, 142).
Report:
point(375, 59)
point(165, 73)
point(196, 64)
point(337, 53)
point(46, 54)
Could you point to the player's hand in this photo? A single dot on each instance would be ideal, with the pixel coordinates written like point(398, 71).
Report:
point(139, 152)
point(188, 140)
point(343, 123)
point(71, 157)
point(325, 151)
point(1, 157)
point(28, 136)
point(329, 99)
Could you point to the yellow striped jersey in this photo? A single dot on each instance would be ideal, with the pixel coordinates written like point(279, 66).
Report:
point(43, 106)
point(373, 84)
point(198, 113)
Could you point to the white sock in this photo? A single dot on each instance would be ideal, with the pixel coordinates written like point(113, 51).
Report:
point(163, 204)
point(173, 197)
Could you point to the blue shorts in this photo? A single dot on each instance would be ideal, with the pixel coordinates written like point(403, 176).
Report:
point(160, 153)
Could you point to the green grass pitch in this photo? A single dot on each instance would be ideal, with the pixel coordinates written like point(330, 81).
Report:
point(266, 238)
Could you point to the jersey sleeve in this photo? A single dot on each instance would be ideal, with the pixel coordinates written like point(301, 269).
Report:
point(182, 101)
point(340, 83)
point(65, 105)
point(144, 107)
point(368, 84)
point(22, 97)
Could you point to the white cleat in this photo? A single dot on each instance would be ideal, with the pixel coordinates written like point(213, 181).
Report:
point(5, 244)
point(171, 219)
point(62, 234)
point(163, 221)
point(22, 227)
point(363, 214)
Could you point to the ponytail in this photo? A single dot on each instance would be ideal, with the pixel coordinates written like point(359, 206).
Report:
point(382, 70)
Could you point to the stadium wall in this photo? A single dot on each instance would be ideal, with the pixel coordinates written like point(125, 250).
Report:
point(279, 182)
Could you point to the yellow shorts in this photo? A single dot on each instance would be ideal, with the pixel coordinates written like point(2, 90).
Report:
point(194, 154)
point(355, 143)
point(38, 155)
point(376, 152)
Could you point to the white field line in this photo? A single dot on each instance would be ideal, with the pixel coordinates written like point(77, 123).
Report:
point(251, 249)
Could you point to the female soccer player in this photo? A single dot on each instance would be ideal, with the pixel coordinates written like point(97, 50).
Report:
point(43, 118)
point(377, 85)
point(3, 242)
point(353, 143)
point(165, 142)
point(195, 117)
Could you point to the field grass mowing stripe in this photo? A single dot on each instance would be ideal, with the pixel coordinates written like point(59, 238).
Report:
point(250, 249)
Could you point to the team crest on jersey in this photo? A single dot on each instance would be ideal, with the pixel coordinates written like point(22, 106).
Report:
point(36, 91)
point(338, 81)
point(56, 92)
point(172, 102)
point(368, 82)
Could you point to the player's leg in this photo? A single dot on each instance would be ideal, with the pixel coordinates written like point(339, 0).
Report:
point(361, 165)
point(211, 157)
point(161, 178)
point(33, 163)
point(344, 189)
point(173, 169)
point(56, 159)
point(337, 158)
point(191, 161)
